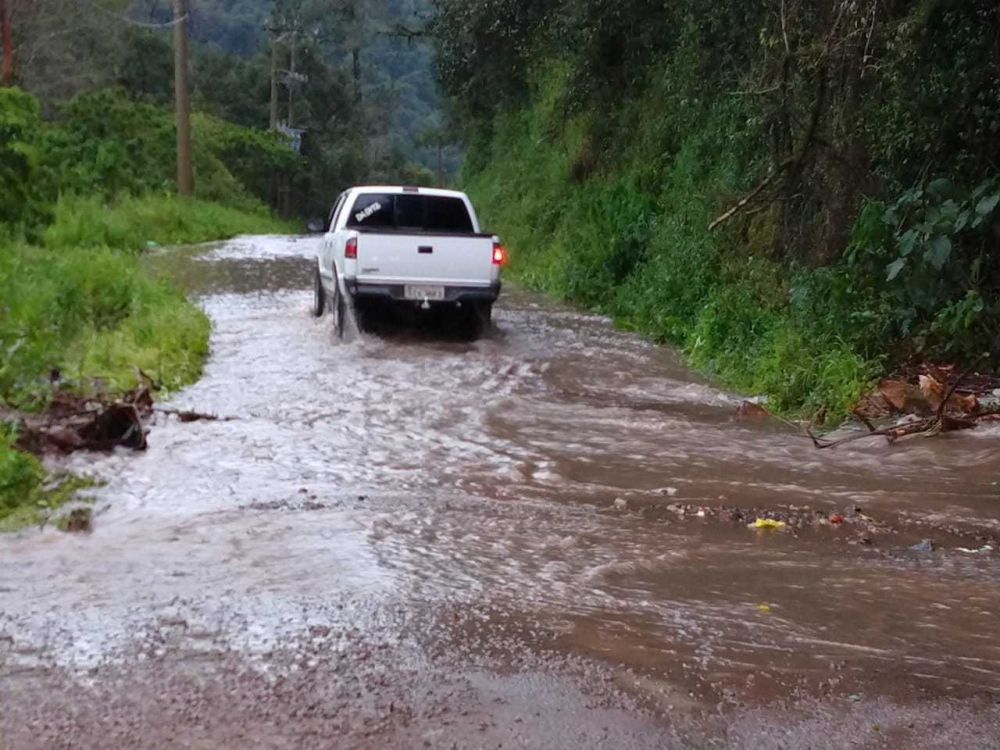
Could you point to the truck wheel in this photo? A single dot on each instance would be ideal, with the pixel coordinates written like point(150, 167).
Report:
point(339, 305)
point(482, 316)
point(476, 319)
point(484, 312)
point(319, 297)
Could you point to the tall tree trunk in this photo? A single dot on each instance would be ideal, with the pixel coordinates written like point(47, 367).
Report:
point(292, 82)
point(356, 68)
point(7, 76)
point(182, 103)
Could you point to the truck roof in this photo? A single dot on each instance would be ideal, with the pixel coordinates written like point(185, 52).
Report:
point(409, 189)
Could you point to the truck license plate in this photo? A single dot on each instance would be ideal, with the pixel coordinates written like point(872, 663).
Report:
point(423, 292)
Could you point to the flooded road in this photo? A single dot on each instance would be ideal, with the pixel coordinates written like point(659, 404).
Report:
point(535, 540)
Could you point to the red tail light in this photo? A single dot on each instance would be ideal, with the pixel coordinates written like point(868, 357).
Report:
point(351, 248)
point(499, 254)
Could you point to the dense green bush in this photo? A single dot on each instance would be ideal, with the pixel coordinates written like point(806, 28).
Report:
point(92, 191)
point(632, 241)
point(106, 144)
point(862, 138)
point(23, 200)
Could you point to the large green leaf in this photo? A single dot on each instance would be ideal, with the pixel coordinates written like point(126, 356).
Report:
point(939, 250)
point(893, 269)
point(987, 204)
point(907, 242)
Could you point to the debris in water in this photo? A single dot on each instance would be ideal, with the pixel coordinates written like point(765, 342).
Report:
point(924, 545)
point(763, 607)
point(192, 416)
point(768, 523)
point(621, 503)
point(937, 402)
point(73, 422)
point(836, 518)
point(78, 520)
point(751, 410)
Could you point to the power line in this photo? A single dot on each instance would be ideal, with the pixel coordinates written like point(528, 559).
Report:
point(133, 22)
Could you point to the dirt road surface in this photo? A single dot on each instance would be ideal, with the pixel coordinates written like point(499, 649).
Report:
point(537, 540)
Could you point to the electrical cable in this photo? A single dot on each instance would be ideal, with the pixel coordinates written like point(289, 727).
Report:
point(133, 22)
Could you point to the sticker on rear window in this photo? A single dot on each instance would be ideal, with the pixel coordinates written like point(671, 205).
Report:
point(360, 216)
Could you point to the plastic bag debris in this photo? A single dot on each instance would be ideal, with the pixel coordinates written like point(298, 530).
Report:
point(984, 548)
point(768, 523)
point(763, 607)
point(924, 545)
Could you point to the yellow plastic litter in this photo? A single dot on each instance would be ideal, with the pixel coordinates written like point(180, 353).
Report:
point(767, 523)
point(764, 607)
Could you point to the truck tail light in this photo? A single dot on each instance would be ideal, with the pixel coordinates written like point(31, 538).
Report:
point(351, 249)
point(499, 254)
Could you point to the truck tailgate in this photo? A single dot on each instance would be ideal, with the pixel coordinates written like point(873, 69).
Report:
point(456, 260)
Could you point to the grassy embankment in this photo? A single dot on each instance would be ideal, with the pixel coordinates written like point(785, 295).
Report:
point(801, 201)
point(632, 241)
point(75, 296)
point(626, 233)
point(82, 302)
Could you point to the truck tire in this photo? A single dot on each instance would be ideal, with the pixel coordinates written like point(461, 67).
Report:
point(319, 297)
point(484, 312)
point(339, 306)
point(476, 319)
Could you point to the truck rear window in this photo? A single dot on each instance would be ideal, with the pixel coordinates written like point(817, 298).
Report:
point(419, 213)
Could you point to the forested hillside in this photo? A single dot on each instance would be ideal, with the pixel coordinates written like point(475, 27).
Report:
point(801, 193)
point(369, 105)
point(366, 98)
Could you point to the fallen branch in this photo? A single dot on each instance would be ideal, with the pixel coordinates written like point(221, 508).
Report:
point(927, 427)
point(192, 416)
point(752, 194)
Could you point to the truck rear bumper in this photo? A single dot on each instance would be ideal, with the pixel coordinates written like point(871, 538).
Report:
point(452, 294)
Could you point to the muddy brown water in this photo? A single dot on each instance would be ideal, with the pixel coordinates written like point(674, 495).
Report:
point(406, 541)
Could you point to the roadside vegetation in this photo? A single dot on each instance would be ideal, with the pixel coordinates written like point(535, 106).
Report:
point(87, 171)
point(801, 194)
point(82, 197)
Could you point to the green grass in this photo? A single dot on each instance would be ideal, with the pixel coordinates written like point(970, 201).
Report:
point(28, 496)
point(85, 304)
point(95, 314)
point(132, 223)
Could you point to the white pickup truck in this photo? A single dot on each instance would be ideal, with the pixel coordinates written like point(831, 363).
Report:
point(408, 248)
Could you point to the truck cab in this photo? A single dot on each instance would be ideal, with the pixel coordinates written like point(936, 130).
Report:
point(409, 247)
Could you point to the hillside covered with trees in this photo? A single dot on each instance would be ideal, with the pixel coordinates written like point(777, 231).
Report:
point(801, 193)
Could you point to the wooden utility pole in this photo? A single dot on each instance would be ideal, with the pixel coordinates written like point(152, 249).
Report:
point(182, 102)
point(7, 76)
point(293, 60)
point(273, 120)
